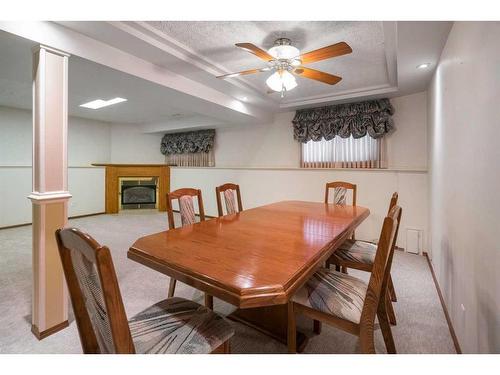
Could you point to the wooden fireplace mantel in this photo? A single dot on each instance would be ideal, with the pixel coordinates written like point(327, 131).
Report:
point(115, 171)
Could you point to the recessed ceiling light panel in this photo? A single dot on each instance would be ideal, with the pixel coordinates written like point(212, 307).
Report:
point(423, 66)
point(99, 103)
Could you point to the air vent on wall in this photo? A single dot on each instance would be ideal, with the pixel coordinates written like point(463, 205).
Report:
point(414, 240)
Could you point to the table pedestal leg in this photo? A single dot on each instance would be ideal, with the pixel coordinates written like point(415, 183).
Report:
point(270, 320)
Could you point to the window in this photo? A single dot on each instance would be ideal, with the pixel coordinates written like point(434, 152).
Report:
point(189, 149)
point(364, 152)
point(195, 159)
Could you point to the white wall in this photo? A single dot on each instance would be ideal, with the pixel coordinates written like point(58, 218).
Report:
point(88, 142)
point(129, 145)
point(407, 146)
point(262, 186)
point(464, 121)
point(264, 160)
point(272, 145)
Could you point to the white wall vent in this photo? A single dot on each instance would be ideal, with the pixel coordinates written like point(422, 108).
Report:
point(414, 240)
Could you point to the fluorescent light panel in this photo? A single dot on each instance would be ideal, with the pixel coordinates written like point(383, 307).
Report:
point(423, 66)
point(99, 103)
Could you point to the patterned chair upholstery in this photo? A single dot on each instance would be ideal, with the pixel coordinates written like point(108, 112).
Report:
point(356, 251)
point(178, 326)
point(339, 196)
point(186, 209)
point(174, 325)
point(333, 293)
point(232, 198)
point(83, 261)
point(230, 201)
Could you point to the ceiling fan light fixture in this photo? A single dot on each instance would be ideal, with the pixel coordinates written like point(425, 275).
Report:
point(284, 52)
point(281, 80)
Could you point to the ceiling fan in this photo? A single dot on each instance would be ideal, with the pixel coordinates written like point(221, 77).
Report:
point(287, 62)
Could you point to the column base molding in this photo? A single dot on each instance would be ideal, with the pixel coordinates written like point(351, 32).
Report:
point(41, 335)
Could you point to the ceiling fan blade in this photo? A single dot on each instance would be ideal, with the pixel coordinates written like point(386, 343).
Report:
point(244, 72)
point(252, 48)
point(334, 50)
point(316, 75)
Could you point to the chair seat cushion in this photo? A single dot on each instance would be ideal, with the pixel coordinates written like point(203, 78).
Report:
point(334, 293)
point(177, 325)
point(357, 252)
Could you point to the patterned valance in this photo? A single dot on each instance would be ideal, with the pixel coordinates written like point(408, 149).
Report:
point(188, 142)
point(356, 119)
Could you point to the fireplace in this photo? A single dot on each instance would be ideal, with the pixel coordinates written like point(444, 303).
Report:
point(138, 192)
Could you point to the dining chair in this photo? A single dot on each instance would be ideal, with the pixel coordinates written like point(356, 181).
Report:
point(347, 302)
point(228, 190)
point(186, 206)
point(340, 193)
point(188, 217)
point(360, 255)
point(340, 198)
point(174, 325)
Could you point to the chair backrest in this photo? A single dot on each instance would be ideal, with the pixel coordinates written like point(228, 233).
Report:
point(228, 191)
point(95, 294)
point(340, 192)
point(377, 286)
point(394, 201)
point(186, 207)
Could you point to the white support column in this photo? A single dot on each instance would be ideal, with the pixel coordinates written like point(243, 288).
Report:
point(50, 188)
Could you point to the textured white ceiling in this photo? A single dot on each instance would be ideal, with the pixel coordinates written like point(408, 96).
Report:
point(146, 101)
point(201, 50)
point(365, 67)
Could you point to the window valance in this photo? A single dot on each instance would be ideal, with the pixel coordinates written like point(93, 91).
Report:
point(188, 142)
point(356, 119)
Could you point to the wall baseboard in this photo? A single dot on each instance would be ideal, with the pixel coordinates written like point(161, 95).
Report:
point(443, 305)
point(87, 215)
point(71, 217)
point(15, 226)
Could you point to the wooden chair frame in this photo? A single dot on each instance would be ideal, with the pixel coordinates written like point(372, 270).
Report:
point(120, 330)
point(223, 188)
point(347, 185)
point(374, 304)
point(176, 194)
point(345, 264)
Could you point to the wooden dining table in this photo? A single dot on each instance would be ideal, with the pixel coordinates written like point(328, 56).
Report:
point(255, 259)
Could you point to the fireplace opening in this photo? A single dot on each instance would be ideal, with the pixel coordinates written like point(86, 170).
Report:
point(138, 193)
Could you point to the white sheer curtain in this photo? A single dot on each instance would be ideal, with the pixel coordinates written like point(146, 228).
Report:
point(197, 159)
point(365, 152)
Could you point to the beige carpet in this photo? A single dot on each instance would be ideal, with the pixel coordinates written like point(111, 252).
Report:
point(421, 325)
